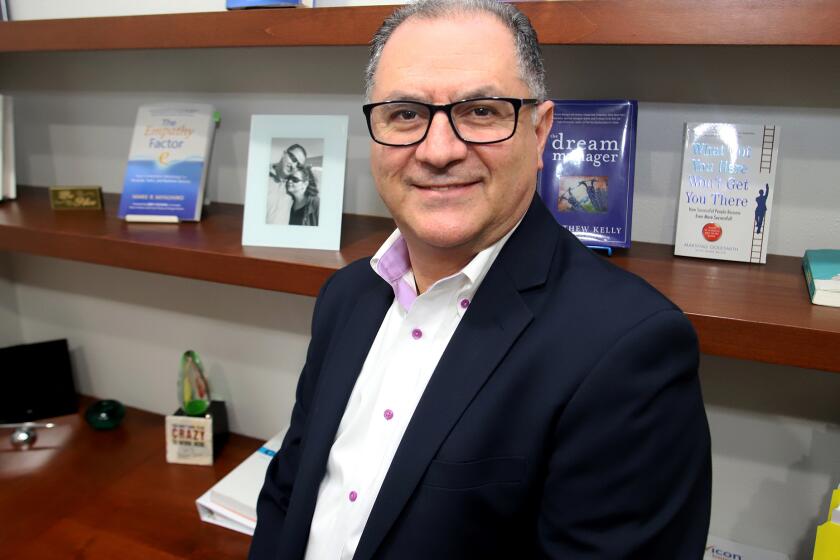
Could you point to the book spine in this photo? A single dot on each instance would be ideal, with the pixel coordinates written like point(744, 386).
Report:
point(809, 278)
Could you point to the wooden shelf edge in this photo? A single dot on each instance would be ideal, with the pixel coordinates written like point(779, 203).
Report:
point(773, 344)
point(577, 22)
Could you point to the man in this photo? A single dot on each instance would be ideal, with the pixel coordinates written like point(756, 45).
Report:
point(485, 386)
point(292, 159)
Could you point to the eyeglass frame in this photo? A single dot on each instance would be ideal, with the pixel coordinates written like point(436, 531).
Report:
point(517, 103)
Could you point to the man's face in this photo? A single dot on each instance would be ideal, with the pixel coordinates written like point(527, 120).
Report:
point(443, 193)
point(291, 161)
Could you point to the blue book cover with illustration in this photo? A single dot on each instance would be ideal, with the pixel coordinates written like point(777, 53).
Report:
point(167, 163)
point(588, 166)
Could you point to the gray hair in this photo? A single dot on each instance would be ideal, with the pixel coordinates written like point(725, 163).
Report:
point(528, 54)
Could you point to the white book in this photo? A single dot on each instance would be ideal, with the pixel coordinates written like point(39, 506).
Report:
point(724, 549)
point(212, 512)
point(727, 187)
point(8, 179)
point(167, 166)
point(238, 491)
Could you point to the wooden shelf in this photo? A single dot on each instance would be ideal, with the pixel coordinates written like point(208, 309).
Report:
point(206, 250)
point(754, 312)
point(593, 22)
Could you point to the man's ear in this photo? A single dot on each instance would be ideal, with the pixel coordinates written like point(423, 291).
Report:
point(545, 117)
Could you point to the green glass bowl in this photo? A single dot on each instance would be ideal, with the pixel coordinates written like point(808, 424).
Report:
point(105, 415)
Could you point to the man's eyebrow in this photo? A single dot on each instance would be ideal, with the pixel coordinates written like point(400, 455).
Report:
point(487, 91)
point(484, 91)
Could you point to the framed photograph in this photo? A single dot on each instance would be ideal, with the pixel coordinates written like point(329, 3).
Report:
point(295, 184)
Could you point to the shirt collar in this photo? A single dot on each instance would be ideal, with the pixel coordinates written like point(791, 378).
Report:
point(392, 263)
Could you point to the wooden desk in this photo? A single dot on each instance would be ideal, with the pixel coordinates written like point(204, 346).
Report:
point(82, 493)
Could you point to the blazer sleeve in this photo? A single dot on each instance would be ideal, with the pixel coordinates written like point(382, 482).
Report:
point(273, 501)
point(629, 475)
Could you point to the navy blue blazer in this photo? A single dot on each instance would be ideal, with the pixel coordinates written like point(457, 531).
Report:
point(564, 419)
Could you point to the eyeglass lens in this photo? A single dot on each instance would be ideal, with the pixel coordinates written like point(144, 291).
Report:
point(477, 120)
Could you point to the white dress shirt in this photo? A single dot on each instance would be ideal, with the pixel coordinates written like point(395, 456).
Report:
point(406, 350)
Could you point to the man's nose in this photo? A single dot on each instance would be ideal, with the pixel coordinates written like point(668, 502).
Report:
point(441, 146)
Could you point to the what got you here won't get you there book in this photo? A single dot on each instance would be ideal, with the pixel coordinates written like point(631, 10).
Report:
point(727, 186)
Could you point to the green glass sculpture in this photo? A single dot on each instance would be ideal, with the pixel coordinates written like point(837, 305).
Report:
point(193, 389)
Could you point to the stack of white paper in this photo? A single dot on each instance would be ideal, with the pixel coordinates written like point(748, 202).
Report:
point(232, 502)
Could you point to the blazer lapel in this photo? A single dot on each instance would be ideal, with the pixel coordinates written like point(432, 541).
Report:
point(495, 319)
point(339, 372)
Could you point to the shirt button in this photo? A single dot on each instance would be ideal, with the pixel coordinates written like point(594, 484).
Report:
point(465, 303)
point(388, 414)
point(417, 334)
point(353, 496)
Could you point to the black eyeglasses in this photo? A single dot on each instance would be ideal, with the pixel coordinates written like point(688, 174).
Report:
point(482, 120)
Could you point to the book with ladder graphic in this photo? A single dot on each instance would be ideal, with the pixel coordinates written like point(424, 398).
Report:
point(726, 191)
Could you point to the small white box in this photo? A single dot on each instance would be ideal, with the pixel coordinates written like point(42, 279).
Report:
point(189, 440)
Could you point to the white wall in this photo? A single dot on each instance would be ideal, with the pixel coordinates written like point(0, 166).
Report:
point(775, 437)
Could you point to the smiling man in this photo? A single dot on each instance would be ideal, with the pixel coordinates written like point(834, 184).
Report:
point(484, 386)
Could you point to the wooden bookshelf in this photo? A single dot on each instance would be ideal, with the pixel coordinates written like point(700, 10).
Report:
point(207, 250)
point(592, 22)
point(754, 312)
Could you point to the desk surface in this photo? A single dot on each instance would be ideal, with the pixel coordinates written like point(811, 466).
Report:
point(82, 493)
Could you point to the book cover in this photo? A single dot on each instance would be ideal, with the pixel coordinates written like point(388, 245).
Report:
point(239, 489)
point(211, 512)
point(8, 179)
point(242, 4)
point(718, 548)
point(588, 167)
point(727, 186)
point(167, 163)
point(822, 274)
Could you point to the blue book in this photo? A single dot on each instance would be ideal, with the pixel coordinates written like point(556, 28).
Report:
point(822, 273)
point(242, 4)
point(588, 165)
point(167, 163)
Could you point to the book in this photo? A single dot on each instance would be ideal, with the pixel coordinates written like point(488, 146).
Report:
point(167, 163)
point(211, 512)
point(727, 186)
point(588, 166)
point(8, 179)
point(61, 9)
point(718, 548)
point(822, 274)
point(242, 4)
point(827, 542)
point(238, 491)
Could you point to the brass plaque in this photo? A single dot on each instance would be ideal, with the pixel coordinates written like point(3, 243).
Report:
point(76, 198)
